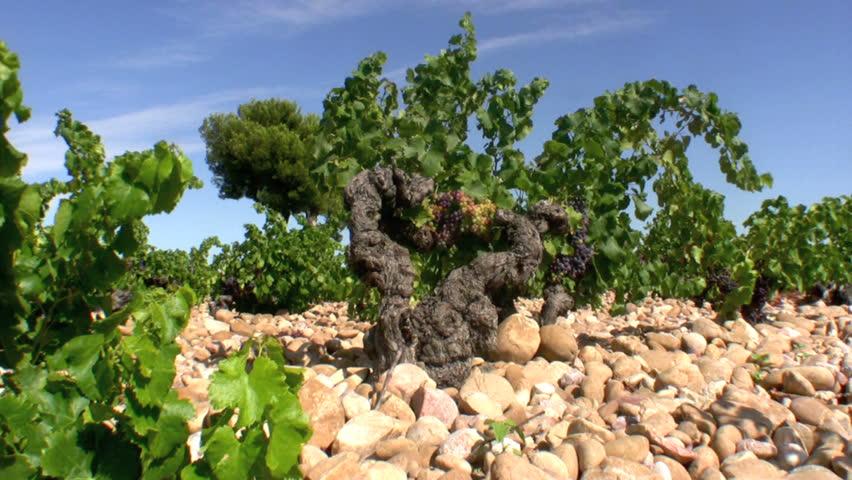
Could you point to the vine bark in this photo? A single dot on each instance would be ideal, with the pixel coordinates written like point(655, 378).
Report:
point(459, 320)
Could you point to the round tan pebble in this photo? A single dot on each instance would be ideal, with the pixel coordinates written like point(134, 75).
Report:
point(694, 343)
point(568, 454)
point(676, 470)
point(364, 389)
point(386, 449)
point(377, 470)
point(590, 354)
point(746, 465)
point(518, 339)
point(427, 431)
point(455, 475)
point(705, 458)
point(451, 462)
point(550, 463)
point(325, 412)
point(407, 461)
point(558, 342)
point(590, 454)
point(762, 450)
point(495, 387)
point(310, 456)
point(508, 466)
point(632, 447)
point(725, 441)
point(796, 384)
point(362, 433)
point(354, 404)
point(342, 465)
point(711, 473)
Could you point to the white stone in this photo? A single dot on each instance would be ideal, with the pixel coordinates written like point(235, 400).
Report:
point(362, 433)
point(544, 388)
point(215, 326)
point(354, 404)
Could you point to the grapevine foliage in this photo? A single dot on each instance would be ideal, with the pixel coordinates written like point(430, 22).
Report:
point(606, 158)
point(270, 427)
point(798, 247)
point(273, 267)
point(172, 269)
point(85, 388)
point(66, 270)
point(278, 267)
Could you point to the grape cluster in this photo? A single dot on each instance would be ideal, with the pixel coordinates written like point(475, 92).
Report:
point(480, 216)
point(120, 299)
point(448, 217)
point(235, 295)
point(455, 213)
point(818, 292)
point(722, 280)
point(753, 312)
point(579, 206)
point(575, 265)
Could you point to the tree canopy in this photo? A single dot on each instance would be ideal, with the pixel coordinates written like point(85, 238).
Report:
point(263, 152)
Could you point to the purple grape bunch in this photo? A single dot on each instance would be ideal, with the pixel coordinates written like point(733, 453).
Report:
point(448, 217)
point(574, 266)
point(753, 311)
point(722, 280)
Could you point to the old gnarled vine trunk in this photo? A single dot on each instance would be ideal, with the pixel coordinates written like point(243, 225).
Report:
point(459, 320)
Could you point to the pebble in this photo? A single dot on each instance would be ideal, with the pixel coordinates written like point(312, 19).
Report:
point(362, 433)
point(432, 402)
point(405, 380)
point(508, 466)
point(325, 412)
point(461, 443)
point(341, 466)
point(590, 453)
point(377, 470)
point(518, 339)
point(427, 431)
point(558, 342)
point(666, 391)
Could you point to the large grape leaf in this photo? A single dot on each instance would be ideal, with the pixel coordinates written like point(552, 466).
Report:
point(282, 455)
point(64, 458)
point(233, 387)
point(78, 357)
point(229, 458)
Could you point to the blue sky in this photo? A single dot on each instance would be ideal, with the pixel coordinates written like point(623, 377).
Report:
point(138, 75)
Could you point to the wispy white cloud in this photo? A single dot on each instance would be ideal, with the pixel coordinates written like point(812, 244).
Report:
point(504, 6)
point(140, 129)
point(168, 56)
point(579, 29)
point(220, 17)
point(216, 18)
point(307, 12)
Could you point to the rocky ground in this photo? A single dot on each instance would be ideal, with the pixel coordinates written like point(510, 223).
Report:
point(663, 392)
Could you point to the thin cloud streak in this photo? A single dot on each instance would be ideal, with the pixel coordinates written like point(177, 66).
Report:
point(578, 30)
point(505, 6)
point(140, 129)
point(222, 17)
point(218, 18)
point(160, 58)
point(309, 12)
